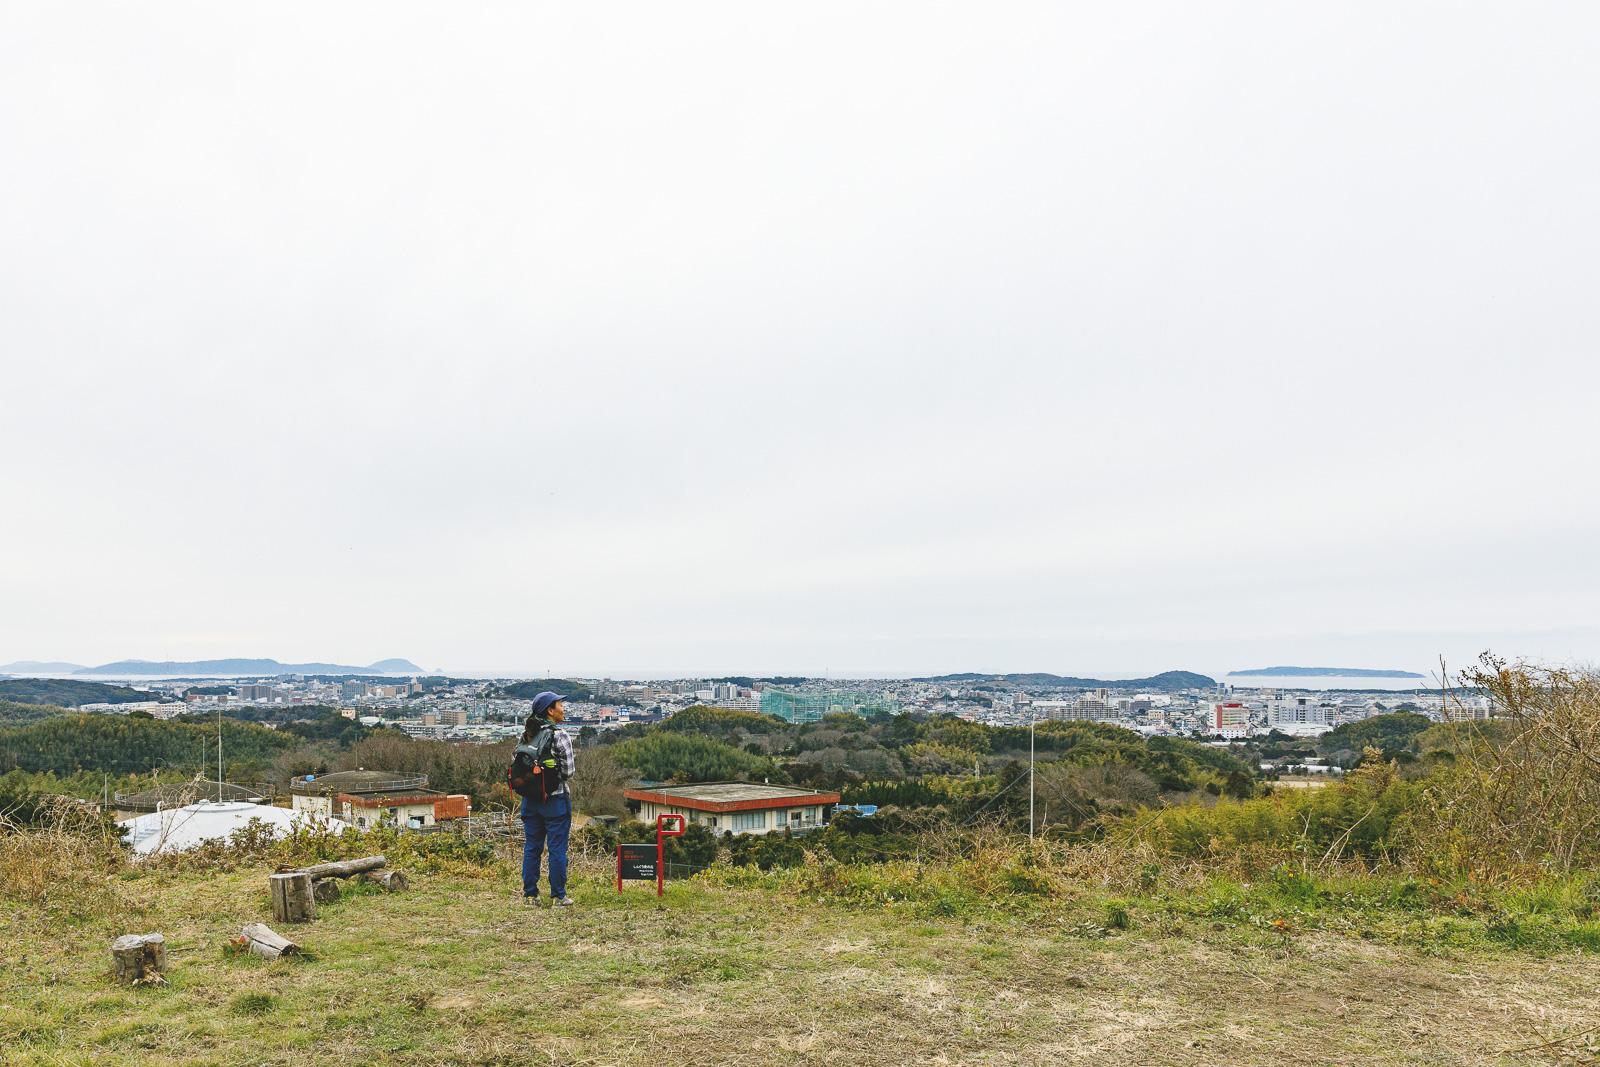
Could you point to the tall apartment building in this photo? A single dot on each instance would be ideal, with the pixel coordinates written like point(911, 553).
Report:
point(1297, 711)
point(1230, 719)
point(1090, 707)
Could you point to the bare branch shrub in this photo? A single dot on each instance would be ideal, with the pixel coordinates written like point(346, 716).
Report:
point(1522, 793)
point(598, 783)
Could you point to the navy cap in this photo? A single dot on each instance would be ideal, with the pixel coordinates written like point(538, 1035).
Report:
point(542, 702)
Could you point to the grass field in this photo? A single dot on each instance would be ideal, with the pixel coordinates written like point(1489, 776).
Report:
point(457, 971)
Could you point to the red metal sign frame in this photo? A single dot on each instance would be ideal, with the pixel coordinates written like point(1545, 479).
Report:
point(669, 825)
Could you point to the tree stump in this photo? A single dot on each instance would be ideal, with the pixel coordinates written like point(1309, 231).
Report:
point(391, 881)
point(139, 958)
point(292, 901)
point(325, 891)
point(266, 943)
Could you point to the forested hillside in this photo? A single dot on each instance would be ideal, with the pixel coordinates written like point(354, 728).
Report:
point(845, 749)
point(19, 714)
point(534, 686)
point(122, 744)
point(68, 693)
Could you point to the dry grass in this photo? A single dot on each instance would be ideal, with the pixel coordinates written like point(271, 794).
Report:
point(68, 864)
point(457, 971)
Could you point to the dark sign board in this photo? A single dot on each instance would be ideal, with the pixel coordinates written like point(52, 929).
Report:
point(636, 862)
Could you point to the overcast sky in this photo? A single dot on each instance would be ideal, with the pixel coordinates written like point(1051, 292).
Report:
point(856, 338)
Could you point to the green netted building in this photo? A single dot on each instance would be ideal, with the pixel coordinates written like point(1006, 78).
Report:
point(811, 707)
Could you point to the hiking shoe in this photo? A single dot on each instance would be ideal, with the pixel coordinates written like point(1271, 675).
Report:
point(562, 902)
point(532, 900)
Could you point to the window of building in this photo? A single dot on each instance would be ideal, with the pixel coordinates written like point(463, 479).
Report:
point(748, 820)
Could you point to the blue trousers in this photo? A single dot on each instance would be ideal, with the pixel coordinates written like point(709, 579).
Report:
point(546, 823)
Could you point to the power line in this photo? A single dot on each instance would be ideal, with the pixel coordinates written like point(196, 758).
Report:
point(971, 818)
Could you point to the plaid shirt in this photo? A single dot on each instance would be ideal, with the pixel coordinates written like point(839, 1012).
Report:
point(567, 758)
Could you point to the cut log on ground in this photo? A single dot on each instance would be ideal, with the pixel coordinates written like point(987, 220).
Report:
point(267, 943)
point(139, 958)
point(291, 897)
point(392, 881)
point(325, 891)
point(345, 868)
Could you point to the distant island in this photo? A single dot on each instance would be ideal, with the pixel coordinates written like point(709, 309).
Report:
point(34, 666)
point(1167, 680)
point(1322, 672)
point(235, 667)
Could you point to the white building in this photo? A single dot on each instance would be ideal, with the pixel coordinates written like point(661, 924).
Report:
point(176, 829)
point(1299, 715)
point(736, 807)
point(1090, 707)
point(157, 708)
point(366, 798)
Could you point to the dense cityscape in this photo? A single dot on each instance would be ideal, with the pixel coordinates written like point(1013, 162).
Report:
point(482, 709)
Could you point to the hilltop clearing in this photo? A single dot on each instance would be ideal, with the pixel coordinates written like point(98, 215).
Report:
point(1438, 904)
point(457, 971)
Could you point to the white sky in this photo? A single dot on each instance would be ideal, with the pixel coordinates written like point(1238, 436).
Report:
point(860, 338)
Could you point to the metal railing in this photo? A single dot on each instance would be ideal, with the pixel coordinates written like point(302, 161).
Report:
point(313, 784)
point(161, 794)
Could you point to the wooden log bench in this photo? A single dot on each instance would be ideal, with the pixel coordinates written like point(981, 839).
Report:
point(296, 893)
point(345, 868)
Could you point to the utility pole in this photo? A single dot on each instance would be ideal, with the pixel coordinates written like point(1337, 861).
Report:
point(1031, 718)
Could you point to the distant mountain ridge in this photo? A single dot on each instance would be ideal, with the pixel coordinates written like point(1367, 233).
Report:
point(34, 666)
point(232, 667)
point(1322, 672)
point(1166, 680)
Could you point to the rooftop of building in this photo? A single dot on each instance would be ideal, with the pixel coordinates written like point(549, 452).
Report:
point(358, 781)
point(387, 799)
point(730, 796)
point(181, 793)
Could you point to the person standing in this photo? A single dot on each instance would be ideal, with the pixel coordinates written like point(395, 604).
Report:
point(546, 807)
